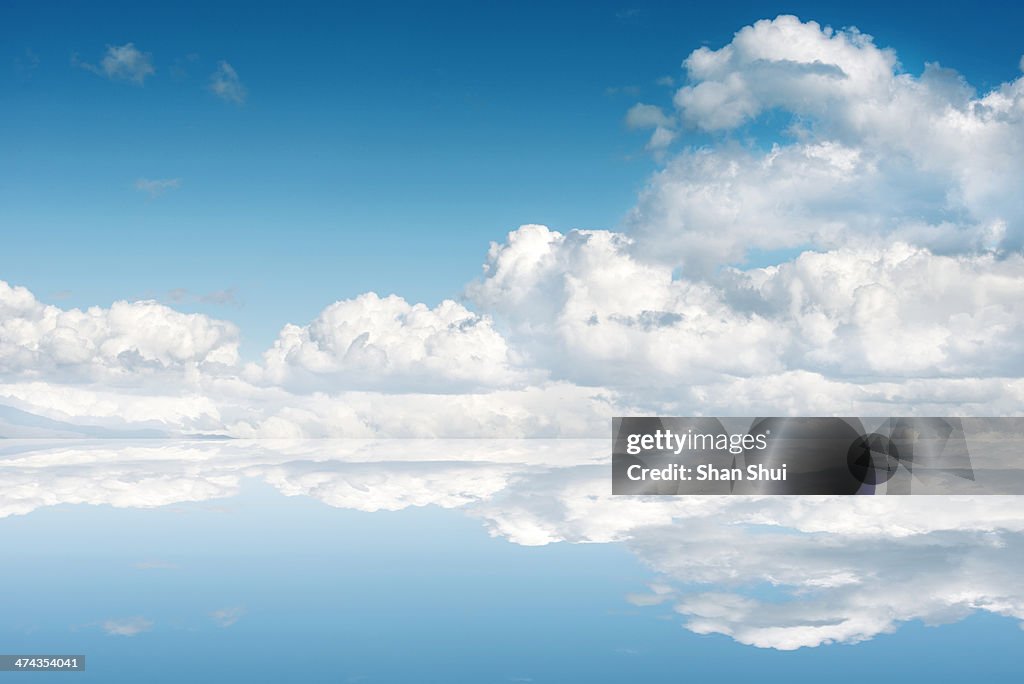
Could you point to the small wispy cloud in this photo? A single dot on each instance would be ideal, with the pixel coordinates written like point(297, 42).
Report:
point(25, 66)
point(225, 617)
point(127, 626)
point(225, 84)
point(223, 297)
point(154, 187)
point(121, 63)
point(629, 90)
point(629, 14)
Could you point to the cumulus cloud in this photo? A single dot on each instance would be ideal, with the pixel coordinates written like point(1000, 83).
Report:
point(872, 152)
point(583, 304)
point(125, 342)
point(225, 84)
point(122, 62)
point(782, 63)
point(372, 341)
point(896, 311)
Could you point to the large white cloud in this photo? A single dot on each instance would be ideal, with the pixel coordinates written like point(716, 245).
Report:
point(896, 311)
point(373, 342)
point(127, 340)
point(872, 151)
point(828, 331)
point(584, 307)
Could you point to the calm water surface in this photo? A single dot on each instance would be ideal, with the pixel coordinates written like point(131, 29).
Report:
point(482, 561)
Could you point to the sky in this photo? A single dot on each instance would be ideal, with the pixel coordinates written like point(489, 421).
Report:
point(376, 148)
point(580, 211)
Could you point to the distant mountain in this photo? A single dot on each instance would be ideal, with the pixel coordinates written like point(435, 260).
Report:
point(18, 424)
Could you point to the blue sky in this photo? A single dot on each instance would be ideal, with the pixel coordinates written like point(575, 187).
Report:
point(378, 148)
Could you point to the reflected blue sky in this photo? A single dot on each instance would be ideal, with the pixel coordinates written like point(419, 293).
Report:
point(256, 585)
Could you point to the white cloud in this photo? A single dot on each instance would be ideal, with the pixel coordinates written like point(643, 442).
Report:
point(581, 305)
point(549, 410)
point(125, 343)
point(650, 116)
point(373, 342)
point(127, 626)
point(124, 63)
point(873, 153)
point(225, 84)
point(646, 116)
point(896, 311)
point(154, 187)
point(225, 617)
point(661, 138)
